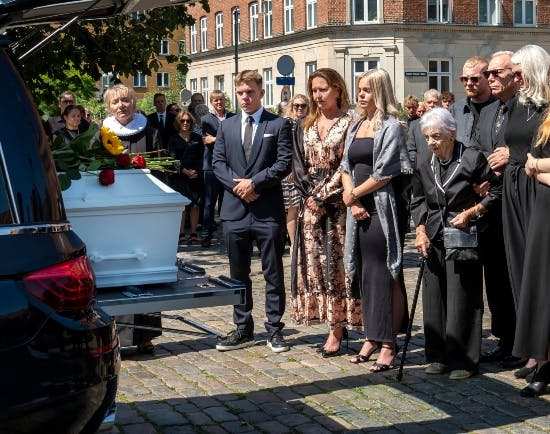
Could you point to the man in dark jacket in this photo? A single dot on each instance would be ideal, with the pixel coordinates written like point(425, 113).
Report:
point(162, 120)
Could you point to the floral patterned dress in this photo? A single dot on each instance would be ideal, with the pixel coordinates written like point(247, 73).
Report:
point(320, 293)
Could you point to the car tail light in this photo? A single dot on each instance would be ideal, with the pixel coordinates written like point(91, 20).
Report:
point(66, 286)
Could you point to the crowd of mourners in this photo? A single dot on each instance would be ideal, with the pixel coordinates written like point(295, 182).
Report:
point(344, 184)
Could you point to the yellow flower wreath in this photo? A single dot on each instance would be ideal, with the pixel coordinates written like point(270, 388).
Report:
point(111, 142)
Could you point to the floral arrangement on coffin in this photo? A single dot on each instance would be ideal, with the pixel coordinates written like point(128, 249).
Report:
point(99, 149)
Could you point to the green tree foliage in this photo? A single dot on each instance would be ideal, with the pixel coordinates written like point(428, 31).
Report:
point(123, 46)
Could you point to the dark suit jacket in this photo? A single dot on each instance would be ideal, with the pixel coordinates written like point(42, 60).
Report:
point(269, 162)
point(463, 113)
point(484, 137)
point(210, 124)
point(417, 146)
point(166, 131)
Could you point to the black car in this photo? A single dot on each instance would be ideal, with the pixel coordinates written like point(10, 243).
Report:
point(59, 357)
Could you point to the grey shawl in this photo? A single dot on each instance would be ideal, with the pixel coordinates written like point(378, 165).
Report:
point(390, 158)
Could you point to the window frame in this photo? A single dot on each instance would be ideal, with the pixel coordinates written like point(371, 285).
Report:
point(165, 79)
point(366, 8)
point(253, 17)
point(523, 13)
point(439, 74)
point(219, 30)
point(193, 38)
point(141, 77)
point(164, 47)
point(496, 4)
point(267, 23)
point(375, 61)
point(204, 34)
point(204, 88)
point(311, 14)
point(440, 7)
point(219, 82)
point(288, 16)
point(193, 85)
point(267, 74)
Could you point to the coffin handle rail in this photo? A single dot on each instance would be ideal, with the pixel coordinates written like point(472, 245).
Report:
point(139, 255)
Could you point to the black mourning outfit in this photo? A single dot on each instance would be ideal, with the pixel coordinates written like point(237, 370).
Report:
point(518, 188)
point(190, 154)
point(533, 315)
point(452, 296)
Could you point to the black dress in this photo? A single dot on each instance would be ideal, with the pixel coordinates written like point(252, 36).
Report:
point(376, 279)
point(518, 188)
point(190, 154)
point(533, 315)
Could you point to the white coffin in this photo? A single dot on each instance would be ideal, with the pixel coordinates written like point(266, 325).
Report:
point(130, 228)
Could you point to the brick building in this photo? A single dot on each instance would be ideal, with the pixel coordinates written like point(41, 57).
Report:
point(422, 43)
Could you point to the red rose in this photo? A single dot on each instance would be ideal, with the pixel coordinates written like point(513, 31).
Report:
point(123, 161)
point(139, 162)
point(107, 177)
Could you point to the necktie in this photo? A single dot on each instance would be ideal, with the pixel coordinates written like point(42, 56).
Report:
point(247, 140)
point(500, 118)
point(161, 121)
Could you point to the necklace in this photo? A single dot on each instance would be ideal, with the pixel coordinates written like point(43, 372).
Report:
point(529, 117)
point(445, 163)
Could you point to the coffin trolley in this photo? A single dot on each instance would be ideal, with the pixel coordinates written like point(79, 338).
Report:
point(131, 232)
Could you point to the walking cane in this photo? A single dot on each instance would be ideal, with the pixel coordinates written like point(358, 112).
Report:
point(411, 318)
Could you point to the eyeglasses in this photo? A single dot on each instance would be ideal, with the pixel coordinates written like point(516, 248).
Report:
point(299, 106)
point(67, 101)
point(465, 80)
point(495, 72)
point(518, 74)
point(186, 121)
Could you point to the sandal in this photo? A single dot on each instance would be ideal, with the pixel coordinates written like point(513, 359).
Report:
point(362, 358)
point(381, 367)
point(193, 238)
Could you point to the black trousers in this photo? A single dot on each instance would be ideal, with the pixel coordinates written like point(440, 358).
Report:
point(453, 308)
point(269, 237)
point(500, 297)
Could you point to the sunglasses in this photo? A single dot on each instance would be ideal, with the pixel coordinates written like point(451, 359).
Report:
point(186, 121)
point(67, 101)
point(518, 74)
point(465, 80)
point(299, 106)
point(495, 72)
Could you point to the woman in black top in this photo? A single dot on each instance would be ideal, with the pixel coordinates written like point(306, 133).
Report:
point(443, 196)
point(187, 147)
point(72, 117)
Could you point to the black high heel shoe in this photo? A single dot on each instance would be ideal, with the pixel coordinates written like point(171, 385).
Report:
point(326, 354)
point(538, 384)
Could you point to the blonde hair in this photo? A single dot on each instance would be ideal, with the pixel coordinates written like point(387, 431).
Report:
point(383, 96)
point(249, 75)
point(181, 115)
point(334, 80)
point(289, 109)
point(119, 90)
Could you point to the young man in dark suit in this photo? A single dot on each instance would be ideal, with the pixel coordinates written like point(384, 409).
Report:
point(162, 120)
point(252, 154)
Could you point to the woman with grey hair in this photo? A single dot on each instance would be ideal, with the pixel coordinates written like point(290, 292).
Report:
point(374, 169)
point(448, 213)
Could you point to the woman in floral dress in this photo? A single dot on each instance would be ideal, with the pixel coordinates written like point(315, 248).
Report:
point(318, 287)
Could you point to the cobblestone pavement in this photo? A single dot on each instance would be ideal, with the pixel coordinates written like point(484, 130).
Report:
point(189, 387)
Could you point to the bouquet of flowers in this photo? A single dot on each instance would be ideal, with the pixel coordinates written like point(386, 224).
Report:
point(99, 149)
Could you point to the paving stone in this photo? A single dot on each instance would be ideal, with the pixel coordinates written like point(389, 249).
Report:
point(167, 417)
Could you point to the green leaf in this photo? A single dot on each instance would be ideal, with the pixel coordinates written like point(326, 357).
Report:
point(73, 174)
point(64, 181)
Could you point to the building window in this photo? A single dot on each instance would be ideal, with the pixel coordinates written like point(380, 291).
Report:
point(204, 34)
point(267, 9)
point(164, 47)
point(137, 15)
point(204, 87)
point(489, 12)
point(289, 16)
point(311, 11)
point(365, 11)
point(253, 15)
point(140, 80)
point(181, 47)
point(235, 14)
point(193, 38)
point(107, 79)
point(359, 67)
point(439, 75)
point(193, 85)
point(163, 79)
point(219, 30)
point(268, 87)
point(439, 11)
point(311, 67)
point(524, 12)
point(219, 82)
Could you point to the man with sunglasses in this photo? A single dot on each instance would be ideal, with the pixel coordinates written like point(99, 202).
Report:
point(55, 123)
point(489, 138)
point(466, 111)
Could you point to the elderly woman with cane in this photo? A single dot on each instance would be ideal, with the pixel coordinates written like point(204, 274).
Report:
point(448, 214)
